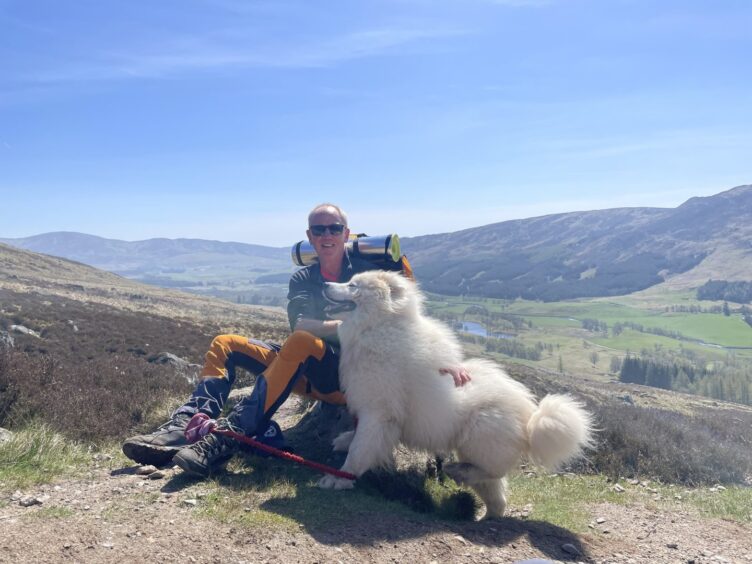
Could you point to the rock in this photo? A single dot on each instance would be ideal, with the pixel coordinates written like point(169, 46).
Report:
point(25, 331)
point(618, 489)
point(146, 470)
point(672, 545)
point(600, 520)
point(569, 548)
point(191, 502)
point(5, 435)
point(158, 475)
point(6, 340)
point(182, 367)
point(29, 500)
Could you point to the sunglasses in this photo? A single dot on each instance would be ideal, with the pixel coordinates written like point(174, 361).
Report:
point(319, 230)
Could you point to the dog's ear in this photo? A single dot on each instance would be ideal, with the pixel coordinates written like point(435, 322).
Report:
point(397, 289)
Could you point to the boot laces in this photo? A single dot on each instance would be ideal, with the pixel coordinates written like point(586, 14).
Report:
point(177, 421)
point(212, 444)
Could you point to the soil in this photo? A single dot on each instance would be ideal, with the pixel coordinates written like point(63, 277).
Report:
point(154, 524)
point(116, 515)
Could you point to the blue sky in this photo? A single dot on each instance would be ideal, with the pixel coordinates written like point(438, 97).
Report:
point(230, 119)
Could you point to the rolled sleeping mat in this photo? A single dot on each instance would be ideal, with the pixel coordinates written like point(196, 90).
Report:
point(381, 249)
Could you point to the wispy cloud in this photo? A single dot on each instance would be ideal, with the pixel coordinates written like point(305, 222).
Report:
point(520, 3)
point(209, 54)
point(658, 141)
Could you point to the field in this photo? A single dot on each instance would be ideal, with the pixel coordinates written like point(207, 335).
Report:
point(671, 471)
point(650, 321)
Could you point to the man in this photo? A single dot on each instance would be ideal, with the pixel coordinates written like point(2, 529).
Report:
point(306, 363)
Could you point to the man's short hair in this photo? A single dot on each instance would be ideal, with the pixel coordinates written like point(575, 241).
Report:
point(323, 207)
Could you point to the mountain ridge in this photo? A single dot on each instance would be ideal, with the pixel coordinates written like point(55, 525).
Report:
point(587, 254)
point(557, 256)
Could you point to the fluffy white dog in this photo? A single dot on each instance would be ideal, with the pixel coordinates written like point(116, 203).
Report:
point(389, 371)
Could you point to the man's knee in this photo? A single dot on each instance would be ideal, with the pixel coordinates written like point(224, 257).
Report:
point(301, 345)
point(219, 351)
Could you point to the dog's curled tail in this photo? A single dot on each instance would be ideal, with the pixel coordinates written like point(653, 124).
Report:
point(558, 431)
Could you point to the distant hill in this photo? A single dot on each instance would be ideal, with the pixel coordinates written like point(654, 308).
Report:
point(28, 273)
point(153, 256)
point(580, 254)
point(593, 253)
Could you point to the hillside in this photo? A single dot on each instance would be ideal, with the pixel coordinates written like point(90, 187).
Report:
point(594, 253)
point(230, 270)
point(28, 272)
point(581, 254)
point(88, 376)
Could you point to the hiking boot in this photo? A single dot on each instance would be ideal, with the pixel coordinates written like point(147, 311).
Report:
point(159, 447)
point(210, 453)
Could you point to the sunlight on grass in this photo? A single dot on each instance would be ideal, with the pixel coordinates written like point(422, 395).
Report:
point(46, 513)
point(561, 500)
point(732, 503)
point(36, 455)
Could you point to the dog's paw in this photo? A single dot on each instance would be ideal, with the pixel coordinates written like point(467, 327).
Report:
point(329, 482)
point(343, 440)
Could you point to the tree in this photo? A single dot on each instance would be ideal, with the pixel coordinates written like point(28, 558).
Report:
point(594, 358)
point(615, 365)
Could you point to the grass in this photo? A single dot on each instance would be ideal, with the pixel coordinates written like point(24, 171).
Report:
point(560, 324)
point(44, 513)
point(564, 500)
point(734, 503)
point(707, 327)
point(265, 492)
point(561, 500)
point(37, 455)
point(568, 500)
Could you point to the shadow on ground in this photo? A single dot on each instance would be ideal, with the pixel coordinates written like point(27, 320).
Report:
point(385, 507)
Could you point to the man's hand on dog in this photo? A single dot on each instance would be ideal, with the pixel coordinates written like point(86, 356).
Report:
point(460, 375)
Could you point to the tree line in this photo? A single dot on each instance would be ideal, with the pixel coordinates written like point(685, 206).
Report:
point(728, 380)
point(739, 292)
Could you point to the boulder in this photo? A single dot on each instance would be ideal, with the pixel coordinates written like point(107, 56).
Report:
point(5, 435)
point(25, 331)
point(6, 340)
point(184, 368)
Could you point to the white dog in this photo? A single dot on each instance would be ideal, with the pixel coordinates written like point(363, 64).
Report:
point(389, 371)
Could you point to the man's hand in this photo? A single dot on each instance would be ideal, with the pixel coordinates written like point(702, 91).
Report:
point(317, 327)
point(459, 373)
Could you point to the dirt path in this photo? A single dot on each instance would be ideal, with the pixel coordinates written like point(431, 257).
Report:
point(118, 516)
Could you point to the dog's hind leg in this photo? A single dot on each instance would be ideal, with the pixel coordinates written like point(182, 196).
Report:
point(493, 494)
point(490, 488)
point(465, 473)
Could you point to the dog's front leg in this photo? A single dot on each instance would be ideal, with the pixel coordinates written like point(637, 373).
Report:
point(372, 446)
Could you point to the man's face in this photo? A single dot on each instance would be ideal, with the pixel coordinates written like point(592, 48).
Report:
point(328, 245)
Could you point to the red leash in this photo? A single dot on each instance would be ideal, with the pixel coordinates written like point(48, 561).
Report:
point(284, 454)
point(201, 424)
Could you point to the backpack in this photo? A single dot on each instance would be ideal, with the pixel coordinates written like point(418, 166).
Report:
point(382, 250)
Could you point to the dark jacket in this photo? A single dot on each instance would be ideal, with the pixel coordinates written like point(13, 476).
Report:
point(307, 286)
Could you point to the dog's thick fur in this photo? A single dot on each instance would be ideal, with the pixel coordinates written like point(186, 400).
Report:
point(389, 371)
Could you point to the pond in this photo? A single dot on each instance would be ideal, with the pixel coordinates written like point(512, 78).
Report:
point(477, 329)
